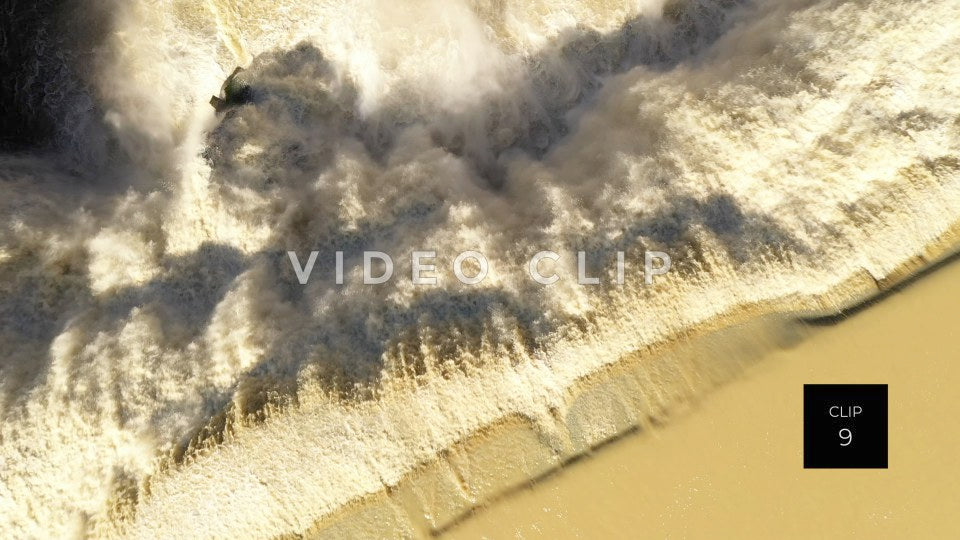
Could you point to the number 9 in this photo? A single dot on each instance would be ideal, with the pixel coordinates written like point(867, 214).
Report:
point(846, 435)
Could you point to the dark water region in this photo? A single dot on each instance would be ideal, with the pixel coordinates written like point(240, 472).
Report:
point(49, 53)
point(26, 29)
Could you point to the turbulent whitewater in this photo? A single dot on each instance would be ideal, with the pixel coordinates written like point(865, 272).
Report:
point(164, 374)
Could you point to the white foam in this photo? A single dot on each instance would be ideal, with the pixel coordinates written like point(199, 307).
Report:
point(774, 152)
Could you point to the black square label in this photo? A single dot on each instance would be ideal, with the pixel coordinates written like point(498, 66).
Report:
point(845, 426)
